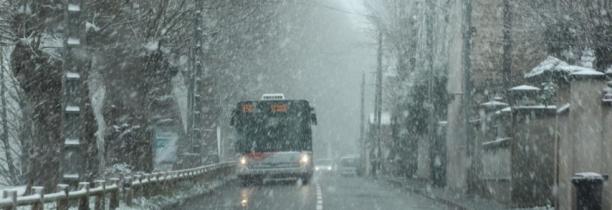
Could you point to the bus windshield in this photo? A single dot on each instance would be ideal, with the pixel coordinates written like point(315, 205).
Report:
point(264, 131)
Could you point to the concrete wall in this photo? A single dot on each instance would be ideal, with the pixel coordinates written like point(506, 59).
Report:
point(584, 140)
point(564, 162)
point(424, 159)
point(586, 125)
point(607, 139)
point(457, 166)
point(533, 154)
point(496, 172)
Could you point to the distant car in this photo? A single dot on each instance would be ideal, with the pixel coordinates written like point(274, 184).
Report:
point(347, 166)
point(323, 166)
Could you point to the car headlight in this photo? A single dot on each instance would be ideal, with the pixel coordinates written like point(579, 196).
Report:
point(243, 160)
point(304, 159)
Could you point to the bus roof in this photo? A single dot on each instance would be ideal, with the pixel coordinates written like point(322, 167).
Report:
point(272, 96)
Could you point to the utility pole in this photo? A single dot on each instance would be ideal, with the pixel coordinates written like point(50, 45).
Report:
point(207, 100)
point(467, 94)
point(430, 60)
point(191, 154)
point(73, 164)
point(507, 46)
point(362, 142)
point(378, 108)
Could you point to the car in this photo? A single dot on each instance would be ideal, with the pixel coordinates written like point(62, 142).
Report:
point(323, 165)
point(347, 166)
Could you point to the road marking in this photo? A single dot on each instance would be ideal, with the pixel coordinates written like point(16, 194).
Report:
point(319, 198)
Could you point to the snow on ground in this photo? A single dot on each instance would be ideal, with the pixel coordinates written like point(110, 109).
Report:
point(186, 190)
point(189, 191)
point(538, 208)
point(20, 189)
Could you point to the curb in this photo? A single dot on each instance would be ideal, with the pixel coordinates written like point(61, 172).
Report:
point(177, 203)
point(452, 204)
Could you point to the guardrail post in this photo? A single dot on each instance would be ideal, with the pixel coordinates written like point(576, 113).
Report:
point(137, 187)
point(154, 187)
point(12, 194)
point(163, 181)
point(84, 200)
point(100, 203)
point(39, 192)
point(114, 195)
point(62, 203)
point(147, 188)
point(128, 191)
point(172, 177)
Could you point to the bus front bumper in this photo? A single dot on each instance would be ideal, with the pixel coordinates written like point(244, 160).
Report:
point(275, 172)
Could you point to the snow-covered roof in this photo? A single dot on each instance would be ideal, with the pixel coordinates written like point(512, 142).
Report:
point(563, 108)
point(385, 118)
point(72, 75)
point(73, 108)
point(537, 107)
point(70, 141)
point(525, 88)
point(590, 176)
point(496, 142)
point(609, 71)
point(504, 110)
point(493, 103)
point(554, 65)
point(71, 176)
point(73, 41)
point(587, 72)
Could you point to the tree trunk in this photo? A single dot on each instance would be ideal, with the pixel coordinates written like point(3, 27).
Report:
point(88, 129)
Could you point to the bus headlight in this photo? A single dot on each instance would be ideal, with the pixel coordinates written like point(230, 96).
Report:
point(243, 161)
point(304, 159)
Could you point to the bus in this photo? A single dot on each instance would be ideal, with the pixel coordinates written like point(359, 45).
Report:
point(274, 138)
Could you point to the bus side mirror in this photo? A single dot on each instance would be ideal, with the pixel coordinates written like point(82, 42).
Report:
point(313, 118)
point(233, 118)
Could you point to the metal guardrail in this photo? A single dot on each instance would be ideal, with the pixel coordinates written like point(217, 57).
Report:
point(115, 188)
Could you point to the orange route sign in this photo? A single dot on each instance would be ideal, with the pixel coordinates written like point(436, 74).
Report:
point(280, 107)
point(248, 108)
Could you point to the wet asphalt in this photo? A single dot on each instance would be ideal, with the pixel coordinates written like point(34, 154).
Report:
point(325, 192)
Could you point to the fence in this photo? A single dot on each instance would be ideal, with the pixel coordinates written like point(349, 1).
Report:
point(116, 189)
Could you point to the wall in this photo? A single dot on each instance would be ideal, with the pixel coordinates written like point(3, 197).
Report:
point(496, 171)
point(584, 139)
point(533, 154)
point(607, 138)
point(456, 167)
point(424, 159)
point(564, 162)
point(585, 129)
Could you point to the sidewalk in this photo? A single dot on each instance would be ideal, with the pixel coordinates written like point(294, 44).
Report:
point(456, 200)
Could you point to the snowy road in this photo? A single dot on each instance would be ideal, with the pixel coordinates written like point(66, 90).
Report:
point(325, 193)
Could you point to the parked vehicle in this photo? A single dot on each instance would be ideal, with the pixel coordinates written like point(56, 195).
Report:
point(323, 166)
point(347, 166)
